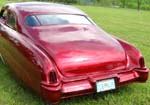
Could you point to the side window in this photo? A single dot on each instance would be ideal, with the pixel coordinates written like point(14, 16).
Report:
point(11, 22)
point(31, 21)
point(3, 14)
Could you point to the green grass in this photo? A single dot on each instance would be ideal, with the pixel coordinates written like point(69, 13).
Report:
point(127, 24)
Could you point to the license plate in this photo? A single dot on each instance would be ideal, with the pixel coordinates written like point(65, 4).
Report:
point(105, 85)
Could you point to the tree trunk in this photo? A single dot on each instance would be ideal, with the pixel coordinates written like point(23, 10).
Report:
point(138, 4)
point(124, 3)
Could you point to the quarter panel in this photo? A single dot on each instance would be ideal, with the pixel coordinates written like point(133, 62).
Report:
point(20, 58)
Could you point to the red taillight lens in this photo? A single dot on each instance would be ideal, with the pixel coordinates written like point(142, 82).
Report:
point(142, 62)
point(52, 77)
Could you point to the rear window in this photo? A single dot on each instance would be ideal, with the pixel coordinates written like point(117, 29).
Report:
point(42, 20)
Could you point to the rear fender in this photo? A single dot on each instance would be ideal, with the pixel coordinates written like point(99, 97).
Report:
point(133, 54)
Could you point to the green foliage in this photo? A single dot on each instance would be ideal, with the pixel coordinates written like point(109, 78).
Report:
point(131, 5)
point(141, 4)
point(145, 7)
point(66, 1)
point(62, 1)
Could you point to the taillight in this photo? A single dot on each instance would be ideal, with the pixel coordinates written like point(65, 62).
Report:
point(52, 77)
point(142, 62)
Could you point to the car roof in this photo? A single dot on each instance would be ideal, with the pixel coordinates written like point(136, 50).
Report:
point(44, 7)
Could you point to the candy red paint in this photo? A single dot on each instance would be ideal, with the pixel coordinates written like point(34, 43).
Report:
point(61, 61)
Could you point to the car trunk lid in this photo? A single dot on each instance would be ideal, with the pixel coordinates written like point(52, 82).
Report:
point(81, 50)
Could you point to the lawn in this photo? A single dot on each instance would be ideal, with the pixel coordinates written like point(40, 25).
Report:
point(128, 24)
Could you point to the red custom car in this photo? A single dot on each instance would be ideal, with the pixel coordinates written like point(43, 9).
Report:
point(59, 52)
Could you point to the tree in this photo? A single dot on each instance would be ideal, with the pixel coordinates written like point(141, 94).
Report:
point(123, 3)
point(138, 4)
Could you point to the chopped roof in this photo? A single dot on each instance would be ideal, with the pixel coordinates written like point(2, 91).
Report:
point(42, 7)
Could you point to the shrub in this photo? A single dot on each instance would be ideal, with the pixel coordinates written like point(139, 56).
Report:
point(145, 7)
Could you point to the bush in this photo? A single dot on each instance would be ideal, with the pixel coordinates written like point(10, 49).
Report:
point(145, 7)
point(131, 5)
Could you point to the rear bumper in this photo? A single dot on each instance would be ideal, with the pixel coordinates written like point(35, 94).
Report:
point(87, 85)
